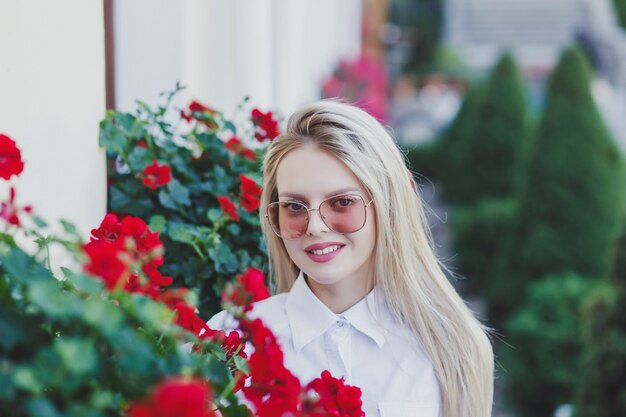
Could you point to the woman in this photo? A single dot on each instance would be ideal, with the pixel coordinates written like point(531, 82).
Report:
point(359, 289)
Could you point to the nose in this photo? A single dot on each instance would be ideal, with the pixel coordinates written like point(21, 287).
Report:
point(316, 224)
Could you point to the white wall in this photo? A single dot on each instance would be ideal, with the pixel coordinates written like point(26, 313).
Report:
point(52, 96)
point(275, 51)
point(148, 50)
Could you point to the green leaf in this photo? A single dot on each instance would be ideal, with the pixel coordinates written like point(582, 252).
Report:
point(111, 137)
point(22, 267)
point(233, 229)
point(158, 223)
point(25, 378)
point(83, 282)
point(217, 372)
point(12, 333)
point(214, 214)
point(39, 222)
point(96, 309)
point(241, 364)
point(139, 158)
point(7, 242)
point(123, 201)
point(69, 228)
point(102, 399)
point(150, 312)
point(228, 125)
point(244, 259)
point(225, 260)
point(77, 354)
point(235, 410)
point(181, 232)
point(52, 300)
point(126, 121)
point(41, 407)
point(166, 200)
point(179, 193)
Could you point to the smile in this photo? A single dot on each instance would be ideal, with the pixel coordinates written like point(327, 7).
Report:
point(325, 250)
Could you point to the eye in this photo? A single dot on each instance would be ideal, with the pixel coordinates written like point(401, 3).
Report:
point(342, 201)
point(292, 206)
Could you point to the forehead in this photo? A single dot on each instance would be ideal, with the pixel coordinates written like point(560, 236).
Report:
point(314, 173)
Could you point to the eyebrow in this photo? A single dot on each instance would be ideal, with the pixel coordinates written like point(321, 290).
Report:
point(334, 193)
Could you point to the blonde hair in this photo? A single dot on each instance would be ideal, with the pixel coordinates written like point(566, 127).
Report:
point(413, 283)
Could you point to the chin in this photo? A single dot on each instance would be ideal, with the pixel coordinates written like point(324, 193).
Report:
point(323, 279)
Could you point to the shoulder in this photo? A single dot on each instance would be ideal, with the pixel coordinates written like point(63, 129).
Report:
point(271, 311)
point(271, 308)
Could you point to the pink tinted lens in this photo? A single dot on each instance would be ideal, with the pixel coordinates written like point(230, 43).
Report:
point(288, 219)
point(344, 214)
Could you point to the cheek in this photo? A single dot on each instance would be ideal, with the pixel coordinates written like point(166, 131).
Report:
point(291, 248)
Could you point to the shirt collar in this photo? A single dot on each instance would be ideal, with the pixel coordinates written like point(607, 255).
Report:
point(302, 305)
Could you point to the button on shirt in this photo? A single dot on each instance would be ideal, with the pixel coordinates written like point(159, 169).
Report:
point(364, 344)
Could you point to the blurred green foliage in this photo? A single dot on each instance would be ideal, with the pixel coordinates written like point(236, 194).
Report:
point(478, 232)
point(603, 382)
point(571, 202)
point(422, 21)
point(484, 148)
point(69, 348)
point(542, 354)
point(620, 11)
point(529, 233)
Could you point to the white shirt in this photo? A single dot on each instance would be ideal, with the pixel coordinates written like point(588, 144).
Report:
point(364, 344)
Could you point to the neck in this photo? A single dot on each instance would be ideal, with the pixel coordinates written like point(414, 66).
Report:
point(341, 296)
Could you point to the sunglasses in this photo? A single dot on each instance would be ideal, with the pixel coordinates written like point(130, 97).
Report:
point(344, 214)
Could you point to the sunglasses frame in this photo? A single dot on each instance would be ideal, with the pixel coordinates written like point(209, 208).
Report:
point(308, 216)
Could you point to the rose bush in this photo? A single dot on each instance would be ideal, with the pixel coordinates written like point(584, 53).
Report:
point(195, 181)
point(113, 339)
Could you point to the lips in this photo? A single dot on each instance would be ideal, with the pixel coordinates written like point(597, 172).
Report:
point(321, 246)
point(324, 252)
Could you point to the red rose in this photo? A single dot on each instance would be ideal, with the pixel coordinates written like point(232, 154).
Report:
point(176, 397)
point(201, 113)
point(334, 398)
point(187, 319)
point(228, 207)
point(136, 247)
point(10, 212)
point(233, 144)
point(10, 158)
point(250, 288)
point(171, 297)
point(155, 175)
point(249, 193)
point(109, 228)
point(266, 127)
point(104, 262)
point(249, 154)
point(199, 107)
point(273, 389)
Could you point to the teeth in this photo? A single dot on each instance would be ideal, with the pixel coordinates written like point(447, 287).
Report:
point(325, 250)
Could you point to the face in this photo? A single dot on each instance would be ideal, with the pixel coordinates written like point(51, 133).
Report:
point(309, 176)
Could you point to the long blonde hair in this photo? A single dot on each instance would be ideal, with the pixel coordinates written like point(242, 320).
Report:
point(406, 267)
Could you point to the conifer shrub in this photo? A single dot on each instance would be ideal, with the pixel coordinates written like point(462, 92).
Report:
point(571, 200)
point(542, 356)
point(478, 231)
point(424, 159)
point(603, 386)
point(445, 157)
point(483, 158)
